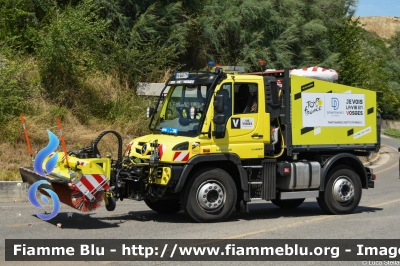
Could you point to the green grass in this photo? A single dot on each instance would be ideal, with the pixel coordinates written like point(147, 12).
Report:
point(391, 132)
point(395, 133)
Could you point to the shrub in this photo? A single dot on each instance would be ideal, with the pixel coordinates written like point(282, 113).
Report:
point(18, 82)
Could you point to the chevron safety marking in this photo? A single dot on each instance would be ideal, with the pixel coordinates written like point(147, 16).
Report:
point(181, 156)
point(90, 184)
point(161, 150)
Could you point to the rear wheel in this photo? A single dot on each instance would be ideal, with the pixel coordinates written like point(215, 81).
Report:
point(288, 204)
point(342, 191)
point(210, 196)
point(164, 206)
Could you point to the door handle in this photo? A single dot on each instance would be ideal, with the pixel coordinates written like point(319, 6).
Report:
point(256, 136)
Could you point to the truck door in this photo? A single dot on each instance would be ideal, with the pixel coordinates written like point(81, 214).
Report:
point(242, 133)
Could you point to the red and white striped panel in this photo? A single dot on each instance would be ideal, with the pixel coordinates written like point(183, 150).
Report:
point(90, 184)
point(161, 150)
point(316, 72)
point(181, 156)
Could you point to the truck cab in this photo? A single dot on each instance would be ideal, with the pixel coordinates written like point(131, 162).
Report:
point(227, 131)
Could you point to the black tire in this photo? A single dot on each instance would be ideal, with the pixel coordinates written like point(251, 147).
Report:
point(112, 203)
point(164, 206)
point(342, 192)
point(218, 190)
point(322, 203)
point(287, 204)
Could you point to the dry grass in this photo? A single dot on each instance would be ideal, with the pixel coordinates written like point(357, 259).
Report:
point(130, 122)
point(11, 158)
point(166, 76)
point(384, 27)
point(15, 155)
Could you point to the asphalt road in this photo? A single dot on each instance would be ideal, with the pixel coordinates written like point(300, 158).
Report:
point(377, 217)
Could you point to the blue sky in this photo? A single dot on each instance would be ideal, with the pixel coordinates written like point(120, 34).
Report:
point(378, 8)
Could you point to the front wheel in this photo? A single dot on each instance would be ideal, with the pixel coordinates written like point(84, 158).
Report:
point(342, 191)
point(287, 204)
point(210, 196)
point(164, 206)
point(111, 203)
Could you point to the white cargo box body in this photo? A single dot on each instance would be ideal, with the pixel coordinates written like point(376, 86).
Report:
point(302, 177)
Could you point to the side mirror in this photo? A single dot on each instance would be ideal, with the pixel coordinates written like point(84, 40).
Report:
point(274, 93)
point(219, 103)
point(219, 119)
point(149, 112)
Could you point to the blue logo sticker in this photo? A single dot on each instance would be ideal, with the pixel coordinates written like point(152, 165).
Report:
point(50, 165)
point(335, 103)
point(32, 198)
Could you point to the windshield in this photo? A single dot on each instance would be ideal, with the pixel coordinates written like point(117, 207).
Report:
point(173, 117)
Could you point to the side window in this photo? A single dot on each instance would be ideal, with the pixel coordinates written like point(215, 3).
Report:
point(254, 98)
point(246, 98)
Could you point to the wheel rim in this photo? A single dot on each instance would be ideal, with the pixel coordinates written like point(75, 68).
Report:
point(211, 195)
point(343, 189)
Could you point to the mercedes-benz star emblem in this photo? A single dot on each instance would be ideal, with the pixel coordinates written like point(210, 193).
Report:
point(144, 148)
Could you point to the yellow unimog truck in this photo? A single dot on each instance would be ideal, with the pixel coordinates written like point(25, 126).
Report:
point(222, 139)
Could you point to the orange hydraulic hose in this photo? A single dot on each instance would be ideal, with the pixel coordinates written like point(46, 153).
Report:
point(26, 135)
point(62, 141)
